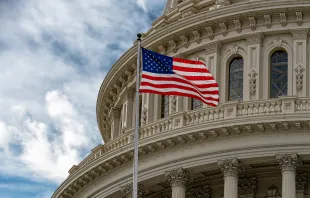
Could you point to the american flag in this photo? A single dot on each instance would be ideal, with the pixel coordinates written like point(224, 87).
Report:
point(175, 76)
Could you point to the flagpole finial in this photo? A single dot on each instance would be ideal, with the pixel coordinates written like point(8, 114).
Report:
point(139, 36)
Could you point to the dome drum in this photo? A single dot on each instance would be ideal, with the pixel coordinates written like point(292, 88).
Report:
point(254, 144)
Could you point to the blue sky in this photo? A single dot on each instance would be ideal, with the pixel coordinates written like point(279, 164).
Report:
point(53, 58)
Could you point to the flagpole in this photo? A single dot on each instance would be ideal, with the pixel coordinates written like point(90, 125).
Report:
point(136, 137)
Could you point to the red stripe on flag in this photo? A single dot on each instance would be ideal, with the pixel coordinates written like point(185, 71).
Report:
point(188, 69)
point(178, 87)
point(181, 60)
point(205, 100)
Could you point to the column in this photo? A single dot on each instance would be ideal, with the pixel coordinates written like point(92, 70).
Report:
point(230, 168)
point(114, 116)
point(253, 78)
point(288, 164)
point(300, 66)
point(213, 64)
point(178, 179)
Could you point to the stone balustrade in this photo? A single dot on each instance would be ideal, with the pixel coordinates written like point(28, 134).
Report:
point(225, 111)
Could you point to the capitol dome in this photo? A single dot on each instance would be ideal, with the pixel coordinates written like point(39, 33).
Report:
point(256, 143)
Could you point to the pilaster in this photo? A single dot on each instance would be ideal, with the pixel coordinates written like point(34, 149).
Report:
point(127, 108)
point(300, 62)
point(213, 62)
point(114, 116)
point(253, 81)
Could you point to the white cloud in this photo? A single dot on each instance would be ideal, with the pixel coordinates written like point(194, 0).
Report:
point(54, 56)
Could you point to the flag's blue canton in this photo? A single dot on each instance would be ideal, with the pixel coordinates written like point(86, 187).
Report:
point(156, 63)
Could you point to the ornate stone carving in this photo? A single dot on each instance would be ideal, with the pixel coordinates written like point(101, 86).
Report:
point(234, 50)
point(252, 82)
point(220, 4)
point(273, 192)
point(252, 20)
point(210, 32)
point(213, 47)
point(278, 42)
point(203, 192)
point(173, 45)
point(197, 36)
point(254, 38)
point(127, 191)
point(178, 177)
point(301, 33)
point(299, 76)
point(268, 20)
point(301, 181)
point(223, 27)
point(248, 186)
point(288, 162)
point(283, 19)
point(299, 18)
point(230, 167)
point(144, 116)
point(238, 25)
point(187, 14)
point(162, 49)
point(184, 39)
point(173, 103)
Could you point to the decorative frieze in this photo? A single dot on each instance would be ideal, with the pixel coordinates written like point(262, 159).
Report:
point(178, 177)
point(230, 167)
point(268, 21)
point(248, 186)
point(288, 162)
point(301, 33)
point(299, 76)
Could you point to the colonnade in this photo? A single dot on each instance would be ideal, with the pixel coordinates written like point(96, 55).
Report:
point(231, 168)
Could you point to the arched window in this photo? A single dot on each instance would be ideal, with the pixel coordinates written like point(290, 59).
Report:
point(164, 106)
point(235, 91)
point(278, 74)
point(196, 104)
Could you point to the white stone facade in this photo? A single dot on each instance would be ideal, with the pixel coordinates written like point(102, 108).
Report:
point(256, 146)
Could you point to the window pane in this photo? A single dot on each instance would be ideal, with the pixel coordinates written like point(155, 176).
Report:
point(235, 91)
point(278, 74)
point(196, 104)
point(164, 106)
